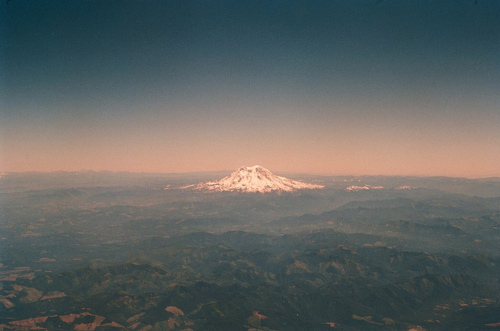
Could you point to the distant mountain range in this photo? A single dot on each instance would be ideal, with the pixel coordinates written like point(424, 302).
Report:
point(254, 179)
point(356, 188)
point(110, 251)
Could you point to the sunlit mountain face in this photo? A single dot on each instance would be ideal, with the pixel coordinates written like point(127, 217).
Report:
point(255, 179)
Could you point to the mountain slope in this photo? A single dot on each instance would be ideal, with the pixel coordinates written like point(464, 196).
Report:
point(255, 179)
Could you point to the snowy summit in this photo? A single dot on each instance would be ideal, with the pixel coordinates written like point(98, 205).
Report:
point(255, 179)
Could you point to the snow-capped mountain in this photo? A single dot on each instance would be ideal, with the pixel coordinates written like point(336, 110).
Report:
point(363, 188)
point(255, 179)
point(369, 187)
point(404, 187)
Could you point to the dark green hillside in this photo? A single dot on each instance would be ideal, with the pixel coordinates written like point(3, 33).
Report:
point(227, 281)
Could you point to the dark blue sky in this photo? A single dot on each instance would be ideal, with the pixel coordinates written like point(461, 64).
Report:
point(379, 87)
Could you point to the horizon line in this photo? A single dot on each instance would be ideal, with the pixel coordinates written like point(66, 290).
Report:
point(229, 171)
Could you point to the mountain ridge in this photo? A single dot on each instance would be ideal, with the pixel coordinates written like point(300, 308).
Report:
point(255, 179)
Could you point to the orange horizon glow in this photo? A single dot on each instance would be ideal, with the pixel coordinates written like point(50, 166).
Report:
point(342, 90)
point(301, 148)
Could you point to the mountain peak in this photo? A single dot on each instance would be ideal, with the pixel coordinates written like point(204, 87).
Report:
point(253, 168)
point(255, 179)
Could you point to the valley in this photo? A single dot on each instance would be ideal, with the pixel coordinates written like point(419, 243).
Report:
point(104, 251)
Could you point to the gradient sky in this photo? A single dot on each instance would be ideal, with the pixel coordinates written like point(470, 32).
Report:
point(334, 87)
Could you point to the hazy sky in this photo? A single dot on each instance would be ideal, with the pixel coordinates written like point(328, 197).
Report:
point(385, 87)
